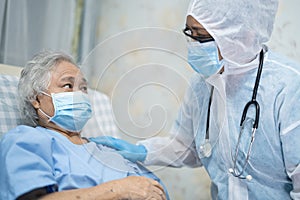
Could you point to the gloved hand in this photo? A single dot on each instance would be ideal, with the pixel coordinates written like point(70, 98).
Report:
point(129, 151)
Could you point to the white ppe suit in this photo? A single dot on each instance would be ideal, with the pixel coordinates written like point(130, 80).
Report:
point(239, 27)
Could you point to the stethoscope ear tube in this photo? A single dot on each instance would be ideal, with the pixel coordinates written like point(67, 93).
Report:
point(259, 70)
point(253, 100)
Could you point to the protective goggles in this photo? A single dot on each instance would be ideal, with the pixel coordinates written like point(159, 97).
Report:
point(200, 38)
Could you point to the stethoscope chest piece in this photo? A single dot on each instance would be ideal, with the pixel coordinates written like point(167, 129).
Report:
point(205, 149)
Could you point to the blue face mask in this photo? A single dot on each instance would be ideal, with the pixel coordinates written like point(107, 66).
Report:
point(204, 58)
point(72, 110)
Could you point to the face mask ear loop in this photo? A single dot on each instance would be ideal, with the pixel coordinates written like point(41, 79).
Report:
point(44, 93)
point(44, 114)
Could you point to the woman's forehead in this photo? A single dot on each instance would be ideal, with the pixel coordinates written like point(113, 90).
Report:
point(66, 70)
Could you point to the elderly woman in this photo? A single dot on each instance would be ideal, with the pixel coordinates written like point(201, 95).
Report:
point(47, 158)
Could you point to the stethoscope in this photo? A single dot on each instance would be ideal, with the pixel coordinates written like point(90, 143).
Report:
point(205, 149)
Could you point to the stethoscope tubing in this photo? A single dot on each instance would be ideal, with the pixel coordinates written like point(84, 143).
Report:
point(235, 172)
point(253, 100)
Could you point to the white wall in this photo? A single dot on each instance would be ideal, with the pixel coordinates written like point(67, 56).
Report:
point(285, 38)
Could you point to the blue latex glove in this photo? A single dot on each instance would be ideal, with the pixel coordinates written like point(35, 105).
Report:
point(129, 151)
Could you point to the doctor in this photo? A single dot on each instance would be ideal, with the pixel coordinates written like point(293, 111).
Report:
point(240, 118)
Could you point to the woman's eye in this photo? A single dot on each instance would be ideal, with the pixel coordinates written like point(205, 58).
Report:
point(84, 88)
point(69, 86)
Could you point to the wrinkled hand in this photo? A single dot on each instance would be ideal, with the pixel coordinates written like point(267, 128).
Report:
point(129, 151)
point(139, 188)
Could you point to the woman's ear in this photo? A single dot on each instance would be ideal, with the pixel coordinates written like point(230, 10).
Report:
point(35, 103)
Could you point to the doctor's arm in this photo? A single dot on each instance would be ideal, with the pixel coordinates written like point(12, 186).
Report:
point(291, 152)
point(289, 120)
point(177, 150)
point(155, 151)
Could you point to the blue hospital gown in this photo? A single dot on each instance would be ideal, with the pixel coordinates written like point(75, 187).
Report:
point(33, 158)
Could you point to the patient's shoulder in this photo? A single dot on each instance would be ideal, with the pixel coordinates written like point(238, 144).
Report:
point(23, 133)
point(21, 130)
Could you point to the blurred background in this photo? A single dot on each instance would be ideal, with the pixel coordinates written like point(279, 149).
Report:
point(133, 51)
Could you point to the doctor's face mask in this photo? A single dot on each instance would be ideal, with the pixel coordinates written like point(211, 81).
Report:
point(204, 58)
point(203, 54)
